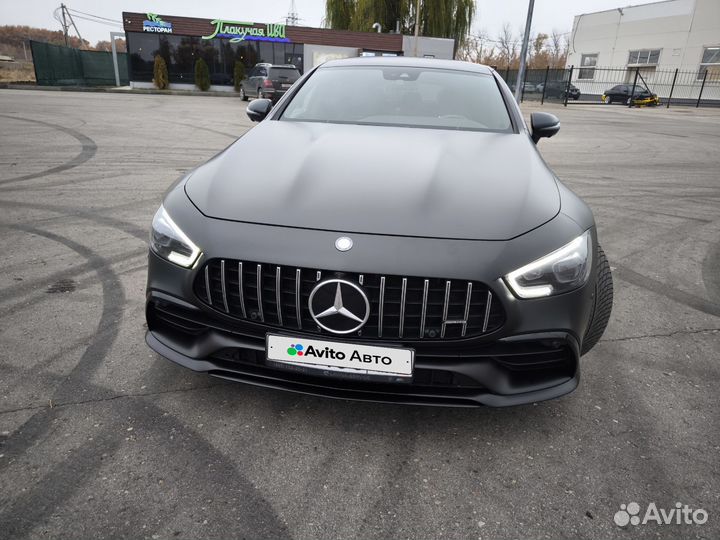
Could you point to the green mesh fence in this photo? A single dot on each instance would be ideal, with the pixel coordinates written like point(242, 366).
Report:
point(64, 66)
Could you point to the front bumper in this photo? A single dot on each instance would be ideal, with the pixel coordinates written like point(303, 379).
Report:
point(638, 102)
point(533, 356)
point(444, 381)
point(651, 101)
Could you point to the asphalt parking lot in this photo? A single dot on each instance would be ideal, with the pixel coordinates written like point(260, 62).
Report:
point(101, 438)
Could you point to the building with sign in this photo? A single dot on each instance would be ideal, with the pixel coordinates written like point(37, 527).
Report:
point(672, 34)
point(222, 42)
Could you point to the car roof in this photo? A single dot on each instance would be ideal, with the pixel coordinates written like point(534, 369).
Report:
point(282, 66)
point(407, 61)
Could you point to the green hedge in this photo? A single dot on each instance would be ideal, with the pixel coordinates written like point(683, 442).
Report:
point(202, 75)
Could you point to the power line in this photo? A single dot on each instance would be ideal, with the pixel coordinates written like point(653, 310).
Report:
point(114, 25)
point(94, 16)
point(511, 42)
point(66, 17)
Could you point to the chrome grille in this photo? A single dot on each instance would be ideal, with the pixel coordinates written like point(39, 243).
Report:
point(401, 307)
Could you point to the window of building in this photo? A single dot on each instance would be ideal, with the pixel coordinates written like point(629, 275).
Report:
point(710, 63)
point(294, 55)
point(184, 52)
point(265, 49)
point(587, 66)
point(181, 53)
point(142, 49)
point(644, 57)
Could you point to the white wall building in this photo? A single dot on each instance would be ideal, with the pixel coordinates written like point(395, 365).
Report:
point(658, 37)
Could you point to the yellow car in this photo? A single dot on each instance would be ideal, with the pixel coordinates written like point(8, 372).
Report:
point(621, 94)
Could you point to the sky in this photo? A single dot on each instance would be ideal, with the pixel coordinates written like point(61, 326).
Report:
point(490, 15)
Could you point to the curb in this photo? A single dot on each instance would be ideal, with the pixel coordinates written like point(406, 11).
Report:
point(114, 90)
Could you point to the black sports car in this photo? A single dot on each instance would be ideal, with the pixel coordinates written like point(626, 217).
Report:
point(390, 232)
point(557, 89)
point(621, 94)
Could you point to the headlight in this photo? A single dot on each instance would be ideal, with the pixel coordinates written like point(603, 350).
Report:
point(561, 271)
point(168, 241)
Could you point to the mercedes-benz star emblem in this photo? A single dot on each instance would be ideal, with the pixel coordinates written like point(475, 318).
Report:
point(344, 243)
point(339, 306)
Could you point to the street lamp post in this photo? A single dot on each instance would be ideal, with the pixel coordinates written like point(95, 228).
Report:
point(520, 81)
point(417, 26)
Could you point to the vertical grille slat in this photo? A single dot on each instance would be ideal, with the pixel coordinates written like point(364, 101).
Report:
point(222, 284)
point(278, 303)
point(403, 297)
point(468, 296)
point(298, 276)
point(207, 285)
point(402, 308)
point(240, 290)
point(488, 304)
point(446, 306)
point(423, 314)
point(382, 306)
point(259, 293)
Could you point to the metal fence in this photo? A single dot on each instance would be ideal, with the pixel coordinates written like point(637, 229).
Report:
point(65, 66)
point(587, 85)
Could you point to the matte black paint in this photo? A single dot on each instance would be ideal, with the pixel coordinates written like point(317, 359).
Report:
point(451, 184)
point(481, 205)
point(258, 109)
point(543, 125)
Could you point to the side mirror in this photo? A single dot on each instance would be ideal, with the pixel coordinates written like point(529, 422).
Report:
point(543, 125)
point(258, 109)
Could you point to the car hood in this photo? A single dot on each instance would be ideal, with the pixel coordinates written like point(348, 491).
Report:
point(379, 180)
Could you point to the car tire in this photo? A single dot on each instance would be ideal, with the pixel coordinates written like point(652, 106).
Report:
point(602, 303)
point(243, 95)
point(608, 100)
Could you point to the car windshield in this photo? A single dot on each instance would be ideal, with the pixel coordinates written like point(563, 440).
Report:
point(401, 96)
point(284, 74)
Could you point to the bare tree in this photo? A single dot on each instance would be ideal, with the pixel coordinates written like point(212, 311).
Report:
point(555, 48)
point(545, 50)
point(476, 48)
point(468, 50)
point(565, 49)
point(558, 48)
point(507, 45)
point(539, 57)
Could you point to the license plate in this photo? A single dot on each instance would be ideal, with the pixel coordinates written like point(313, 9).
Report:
point(285, 85)
point(334, 355)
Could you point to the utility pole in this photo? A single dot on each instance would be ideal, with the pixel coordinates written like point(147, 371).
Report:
point(520, 84)
point(64, 23)
point(417, 26)
point(72, 21)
